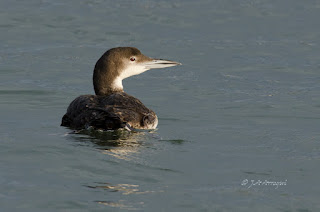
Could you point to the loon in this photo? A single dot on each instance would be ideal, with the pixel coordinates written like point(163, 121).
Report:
point(111, 108)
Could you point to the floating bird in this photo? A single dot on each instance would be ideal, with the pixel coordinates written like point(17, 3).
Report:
point(111, 108)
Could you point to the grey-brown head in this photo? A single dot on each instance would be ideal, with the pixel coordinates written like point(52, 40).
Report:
point(119, 63)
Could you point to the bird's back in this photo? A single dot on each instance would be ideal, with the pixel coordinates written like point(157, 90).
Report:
point(113, 111)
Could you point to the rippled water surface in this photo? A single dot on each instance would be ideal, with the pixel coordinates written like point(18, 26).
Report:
point(238, 122)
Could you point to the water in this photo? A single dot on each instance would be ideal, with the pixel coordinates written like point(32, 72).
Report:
point(243, 107)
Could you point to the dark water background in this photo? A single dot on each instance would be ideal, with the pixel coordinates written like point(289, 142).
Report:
point(243, 108)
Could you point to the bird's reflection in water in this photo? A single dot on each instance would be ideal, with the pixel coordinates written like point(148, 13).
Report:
point(125, 189)
point(121, 144)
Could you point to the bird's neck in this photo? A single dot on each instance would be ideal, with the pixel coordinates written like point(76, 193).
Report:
point(106, 80)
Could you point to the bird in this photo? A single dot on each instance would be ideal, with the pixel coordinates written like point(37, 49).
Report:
point(111, 108)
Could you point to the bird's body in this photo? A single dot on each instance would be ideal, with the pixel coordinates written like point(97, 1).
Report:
point(114, 111)
point(112, 108)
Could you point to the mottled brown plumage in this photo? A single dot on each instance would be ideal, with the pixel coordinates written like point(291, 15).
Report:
point(108, 112)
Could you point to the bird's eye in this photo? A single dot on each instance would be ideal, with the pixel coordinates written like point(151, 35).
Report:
point(132, 58)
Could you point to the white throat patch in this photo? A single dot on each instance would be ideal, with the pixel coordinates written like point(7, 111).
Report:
point(130, 70)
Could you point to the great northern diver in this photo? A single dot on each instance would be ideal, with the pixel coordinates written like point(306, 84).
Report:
point(111, 108)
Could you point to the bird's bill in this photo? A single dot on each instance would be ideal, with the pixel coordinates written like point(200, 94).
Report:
point(160, 63)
